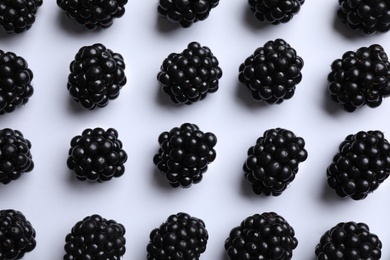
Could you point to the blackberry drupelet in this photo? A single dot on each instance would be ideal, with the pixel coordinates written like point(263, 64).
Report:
point(15, 82)
point(272, 162)
point(275, 12)
point(17, 235)
point(188, 77)
point(97, 155)
point(361, 164)
point(17, 16)
point(15, 155)
point(181, 236)
point(360, 78)
point(93, 14)
point(97, 75)
point(349, 240)
point(272, 72)
point(184, 154)
point(262, 236)
point(186, 12)
point(95, 237)
point(368, 16)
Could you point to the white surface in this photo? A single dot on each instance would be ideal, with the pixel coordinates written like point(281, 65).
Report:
point(54, 201)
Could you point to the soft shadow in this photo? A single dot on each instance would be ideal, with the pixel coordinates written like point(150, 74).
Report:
point(329, 105)
point(159, 181)
point(244, 95)
point(328, 195)
point(165, 26)
point(76, 108)
point(251, 20)
point(72, 26)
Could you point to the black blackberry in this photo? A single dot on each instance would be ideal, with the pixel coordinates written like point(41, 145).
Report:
point(181, 236)
point(17, 16)
point(272, 72)
point(360, 78)
point(97, 155)
point(275, 12)
point(349, 240)
point(186, 12)
point(188, 77)
point(368, 16)
point(95, 237)
point(97, 75)
point(15, 82)
point(17, 235)
point(93, 13)
point(184, 154)
point(272, 162)
point(361, 164)
point(261, 236)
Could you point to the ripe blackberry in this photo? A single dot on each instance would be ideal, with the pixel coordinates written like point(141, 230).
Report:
point(95, 237)
point(17, 16)
point(349, 240)
point(272, 72)
point(15, 82)
point(275, 12)
point(272, 162)
point(360, 78)
point(361, 164)
point(17, 235)
point(184, 154)
point(188, 77)
point(97, 155)
point(93, 13)
point(186, 12)
point(96, 76)
point(368, 16)
point(261, 236)
point(181, 236)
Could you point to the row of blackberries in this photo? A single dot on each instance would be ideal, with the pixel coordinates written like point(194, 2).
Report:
point(182, 236)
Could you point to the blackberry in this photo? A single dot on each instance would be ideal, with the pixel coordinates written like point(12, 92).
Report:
point(275, 12)
point(97, 155)
point(95, 237)
point(188, 77)
point(186, 12)
point(17, 16)
point(368, 16)
point(181, 236)
point(349, 240)
point(272, 72)
point(272, 162)
point(361, 164)
point(93, 14)
point(15, 82)
point(97, 75)
point(360, 78)
point(17, 235)
point(262, 236)
point(184, 154)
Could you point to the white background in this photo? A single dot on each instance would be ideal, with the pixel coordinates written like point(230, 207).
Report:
point(53, 200)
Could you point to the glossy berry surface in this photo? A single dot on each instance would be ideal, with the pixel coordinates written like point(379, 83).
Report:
point(17, 16)
point(15, 82)
point(97, 155)
point(360, 78)
point(349, 240)
point(95, 237)
point(368, 16)
point(361, 164)
point(275, 11)
point(93, 13)
point(261, 236)
point(17, 235)
point(184, 154)
point(186, 12)
point(15, 155)
point(272, 72)
point(181, 236)
point(97, 75)
point(272, 163)
point(188, 77)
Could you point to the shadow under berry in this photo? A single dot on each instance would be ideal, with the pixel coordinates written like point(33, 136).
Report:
point(244, 95)
point(71, 26)
point(164, 26)
point(250, 20)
